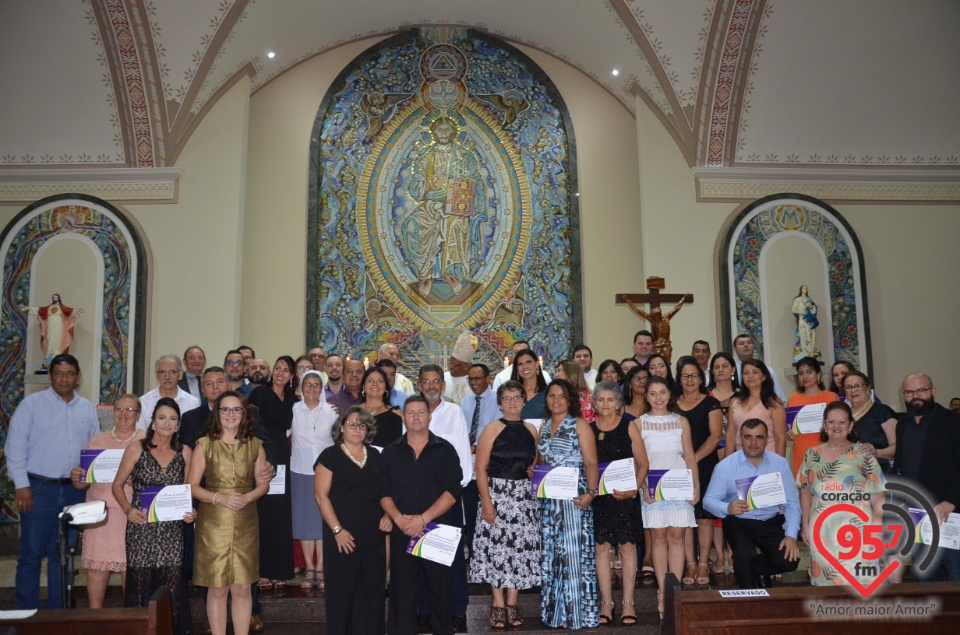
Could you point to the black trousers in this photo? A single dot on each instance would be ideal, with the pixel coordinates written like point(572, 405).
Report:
point(745, 537)
point(405, 573)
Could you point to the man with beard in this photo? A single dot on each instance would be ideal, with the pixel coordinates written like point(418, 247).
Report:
point(334, 370)
point(448, 423)
point(928, 454)
point(258, 374)
point(236, 368)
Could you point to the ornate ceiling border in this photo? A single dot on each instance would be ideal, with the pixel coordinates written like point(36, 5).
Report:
point(838, 185)
point(118, 185)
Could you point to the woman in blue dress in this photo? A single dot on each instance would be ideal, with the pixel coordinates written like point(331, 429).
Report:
point(568, 569)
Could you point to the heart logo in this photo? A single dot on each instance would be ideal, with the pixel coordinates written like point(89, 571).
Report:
point(862, 515)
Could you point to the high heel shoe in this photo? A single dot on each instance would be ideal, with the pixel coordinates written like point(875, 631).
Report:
point(660, 604)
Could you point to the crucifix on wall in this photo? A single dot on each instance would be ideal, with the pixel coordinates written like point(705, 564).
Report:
point(659, 322)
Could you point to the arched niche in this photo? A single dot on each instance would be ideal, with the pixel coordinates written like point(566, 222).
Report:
point(87, 251)
point(772, 247)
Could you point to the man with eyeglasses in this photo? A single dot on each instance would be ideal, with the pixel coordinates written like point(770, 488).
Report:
point(319, 358)
point(46, 434)
point(928, 453)
point(169, 370)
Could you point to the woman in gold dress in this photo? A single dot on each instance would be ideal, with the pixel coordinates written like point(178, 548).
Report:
point(228, 543)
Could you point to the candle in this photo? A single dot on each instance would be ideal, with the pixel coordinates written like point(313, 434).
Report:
point(366, 363)
point(506, 361)
point(541, 360)
point(348, 358)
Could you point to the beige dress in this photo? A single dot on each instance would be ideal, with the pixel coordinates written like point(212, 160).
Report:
point(228, 542)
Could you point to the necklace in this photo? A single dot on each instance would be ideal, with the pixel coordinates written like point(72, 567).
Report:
point(113, 433)
point(375, 410)
point(349, 454)
point(604, 432)
point(862, 409)
point(835, 449)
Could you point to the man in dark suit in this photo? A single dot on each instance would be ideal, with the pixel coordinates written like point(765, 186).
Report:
point(928, 454)
point(195, 360)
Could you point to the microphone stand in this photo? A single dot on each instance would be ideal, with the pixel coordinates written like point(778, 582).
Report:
point(67, 570)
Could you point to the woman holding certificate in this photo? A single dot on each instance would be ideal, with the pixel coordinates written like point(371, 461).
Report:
point(104, 551)
point(875, 423)
point(228, 544)
point(666, 436)
point(506, 545)
point(568, 568)
point(757, 400)
point(811, 393)
point(834, 472)
point(155, 549)
point(616, 516)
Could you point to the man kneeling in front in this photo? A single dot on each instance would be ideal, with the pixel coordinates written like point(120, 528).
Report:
point(773, 529)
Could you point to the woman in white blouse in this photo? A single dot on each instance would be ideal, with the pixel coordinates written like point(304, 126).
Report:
point(310, 432)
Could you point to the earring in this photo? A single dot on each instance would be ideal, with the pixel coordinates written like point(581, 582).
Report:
point(153, 426)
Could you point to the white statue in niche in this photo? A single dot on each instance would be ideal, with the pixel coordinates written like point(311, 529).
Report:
point(805, 310)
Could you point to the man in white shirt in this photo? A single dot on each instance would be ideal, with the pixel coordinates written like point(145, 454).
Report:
point(744, 348)
point(584, 356)
point(401, 382)
point(319, 358)
point(456, 382)
point(169, 370)
point(504, 375)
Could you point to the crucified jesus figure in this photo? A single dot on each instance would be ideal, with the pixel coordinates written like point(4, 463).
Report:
point(659, 324)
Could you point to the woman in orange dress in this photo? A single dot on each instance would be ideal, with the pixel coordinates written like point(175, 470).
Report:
point(811, 392)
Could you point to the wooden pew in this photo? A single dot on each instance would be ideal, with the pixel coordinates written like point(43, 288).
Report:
point(155, 619)
point(786, 610)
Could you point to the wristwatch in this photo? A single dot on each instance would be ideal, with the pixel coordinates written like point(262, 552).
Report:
point(592, 492)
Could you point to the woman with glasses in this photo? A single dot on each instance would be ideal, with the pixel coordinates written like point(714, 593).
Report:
point(226, 560)
point(634, 388)
point(347, 486)
point(876, 424)
point(104, 552)
point(302, 365)
point(506, 544)
point(275, 402)
point(834, 472)
point(310, 435)
point(155, 549)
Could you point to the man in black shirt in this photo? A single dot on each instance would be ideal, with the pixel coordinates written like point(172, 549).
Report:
point(420, 483)
point(928, 453)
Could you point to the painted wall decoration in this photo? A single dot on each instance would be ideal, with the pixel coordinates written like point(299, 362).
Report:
point(754, 230)
point(120, 314)
point(442, 199)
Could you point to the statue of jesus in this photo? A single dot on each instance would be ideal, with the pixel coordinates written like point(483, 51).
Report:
point(56, 328)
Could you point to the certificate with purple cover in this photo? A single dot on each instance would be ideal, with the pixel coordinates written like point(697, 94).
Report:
point(806, 419)
point(669, 485)
point(165, 503)
point(764, 490)
point(99, 466)
point(949, 531)
point(555, 482)
point(438, 543)
point(618, 475)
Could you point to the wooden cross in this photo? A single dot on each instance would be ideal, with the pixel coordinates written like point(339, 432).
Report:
point(659, 322)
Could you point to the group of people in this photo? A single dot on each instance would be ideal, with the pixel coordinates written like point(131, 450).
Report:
point(349, 461)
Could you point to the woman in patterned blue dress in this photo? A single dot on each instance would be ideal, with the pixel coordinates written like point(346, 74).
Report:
point(568, 569)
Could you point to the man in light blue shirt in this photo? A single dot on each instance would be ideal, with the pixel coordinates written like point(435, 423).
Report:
point(397, 396)
point(772, 529)
point(47, 432)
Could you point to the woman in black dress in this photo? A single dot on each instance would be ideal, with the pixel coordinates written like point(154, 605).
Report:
point(705, 416)
point(876, 424)
point(616, 517)
point(347, 485)
point(275, 402)
point(506, 544)
point(375, 390)
point(155, 549)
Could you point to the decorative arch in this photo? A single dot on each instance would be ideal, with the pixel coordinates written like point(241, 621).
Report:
point(396, 253)
point(756, 230)
point(120, 307)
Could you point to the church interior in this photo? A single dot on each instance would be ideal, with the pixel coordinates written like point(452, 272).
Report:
point(193, 122)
